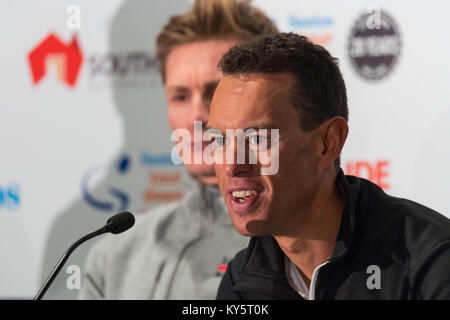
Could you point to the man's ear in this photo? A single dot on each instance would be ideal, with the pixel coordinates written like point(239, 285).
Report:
point(334, 132)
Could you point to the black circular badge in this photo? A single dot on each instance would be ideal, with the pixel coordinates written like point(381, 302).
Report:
point(374, 44)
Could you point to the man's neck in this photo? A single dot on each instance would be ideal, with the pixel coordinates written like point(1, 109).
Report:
point(315, 241)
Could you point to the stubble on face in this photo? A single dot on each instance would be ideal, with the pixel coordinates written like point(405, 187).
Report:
point(254, 100)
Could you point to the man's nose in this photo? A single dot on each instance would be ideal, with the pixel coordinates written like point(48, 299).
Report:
point(237, 162)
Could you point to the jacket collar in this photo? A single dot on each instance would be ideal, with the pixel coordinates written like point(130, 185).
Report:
point(264, 275)
point(265, 259)
point(349, 186)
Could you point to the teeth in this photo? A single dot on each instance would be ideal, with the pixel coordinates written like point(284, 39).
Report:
point(243, 193)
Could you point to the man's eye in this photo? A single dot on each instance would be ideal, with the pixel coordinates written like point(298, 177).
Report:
point(257, 139)
point(218, 142)
point(179, 97)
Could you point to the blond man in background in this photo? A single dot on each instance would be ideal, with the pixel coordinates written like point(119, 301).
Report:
point(180, 250)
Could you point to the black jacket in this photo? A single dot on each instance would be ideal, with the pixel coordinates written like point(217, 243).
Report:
point(409, 243)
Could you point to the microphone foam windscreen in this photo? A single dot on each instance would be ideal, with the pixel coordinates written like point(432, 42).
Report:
point(121, 222)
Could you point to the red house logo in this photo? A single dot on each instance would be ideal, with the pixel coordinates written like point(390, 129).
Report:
point(66, 58)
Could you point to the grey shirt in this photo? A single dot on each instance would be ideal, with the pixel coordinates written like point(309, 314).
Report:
point(174, 251)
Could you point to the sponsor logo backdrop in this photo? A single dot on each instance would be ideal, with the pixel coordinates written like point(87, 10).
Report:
point(84, 126)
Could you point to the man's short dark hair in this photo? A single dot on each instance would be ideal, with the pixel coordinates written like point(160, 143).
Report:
point(319, 93)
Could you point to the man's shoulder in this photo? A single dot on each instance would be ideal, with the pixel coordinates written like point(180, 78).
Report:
point(409, 228)
point(142, 234)
point(241, 258)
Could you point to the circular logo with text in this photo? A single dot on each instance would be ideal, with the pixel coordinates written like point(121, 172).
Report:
point(374, 44)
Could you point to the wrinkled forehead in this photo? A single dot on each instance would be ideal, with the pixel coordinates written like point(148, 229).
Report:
point(250, 100)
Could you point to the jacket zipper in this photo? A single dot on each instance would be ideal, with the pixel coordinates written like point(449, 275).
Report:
point(312, 290)
point(205, 224)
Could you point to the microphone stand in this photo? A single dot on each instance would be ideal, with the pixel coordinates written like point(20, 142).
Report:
point(66, 255)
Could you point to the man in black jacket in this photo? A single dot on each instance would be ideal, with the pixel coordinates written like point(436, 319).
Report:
point(316, 233)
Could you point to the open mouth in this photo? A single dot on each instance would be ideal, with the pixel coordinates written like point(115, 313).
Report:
point(243, 201)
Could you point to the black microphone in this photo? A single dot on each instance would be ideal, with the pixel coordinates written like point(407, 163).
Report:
point(116, 224)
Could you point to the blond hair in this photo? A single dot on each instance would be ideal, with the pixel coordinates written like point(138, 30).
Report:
point(212, 19)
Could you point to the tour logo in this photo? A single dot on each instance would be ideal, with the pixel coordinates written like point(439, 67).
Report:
point(51, 52)
point(374, 44)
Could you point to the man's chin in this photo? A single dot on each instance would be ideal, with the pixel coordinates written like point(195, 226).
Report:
point(252, 228)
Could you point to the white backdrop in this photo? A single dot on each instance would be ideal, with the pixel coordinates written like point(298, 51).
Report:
point(75, 154)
